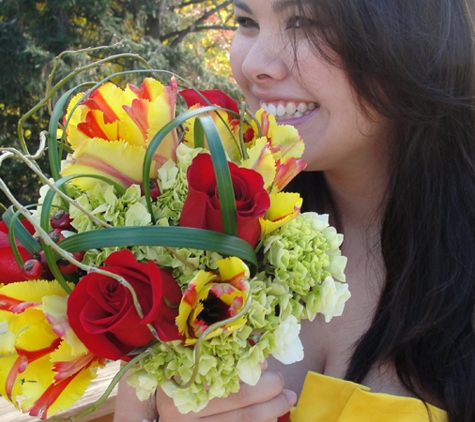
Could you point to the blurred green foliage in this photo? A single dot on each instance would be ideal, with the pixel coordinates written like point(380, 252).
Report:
point(190, 38)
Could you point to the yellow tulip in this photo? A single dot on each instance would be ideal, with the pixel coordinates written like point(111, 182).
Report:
point(284, 144)
point(284, 207)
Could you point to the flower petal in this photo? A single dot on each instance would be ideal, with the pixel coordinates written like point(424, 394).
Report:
point(284, 207)
point(116, 160)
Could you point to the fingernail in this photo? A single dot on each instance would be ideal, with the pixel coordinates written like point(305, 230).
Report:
point(291, 397)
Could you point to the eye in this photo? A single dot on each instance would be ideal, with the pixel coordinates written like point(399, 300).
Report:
point(245, 22)
point(298, 22)
point(294, 22)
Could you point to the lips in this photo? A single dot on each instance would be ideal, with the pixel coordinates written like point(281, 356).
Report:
point(289, 110)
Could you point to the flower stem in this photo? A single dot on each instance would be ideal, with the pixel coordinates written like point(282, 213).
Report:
point(183, 261)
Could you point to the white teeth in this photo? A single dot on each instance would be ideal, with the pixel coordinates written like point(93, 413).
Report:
point(302, 108)
point(290, 110)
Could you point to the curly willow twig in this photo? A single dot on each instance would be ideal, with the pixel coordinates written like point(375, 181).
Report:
point(28, 160)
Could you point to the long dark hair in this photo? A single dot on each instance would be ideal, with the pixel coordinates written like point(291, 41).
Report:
point(413, 62)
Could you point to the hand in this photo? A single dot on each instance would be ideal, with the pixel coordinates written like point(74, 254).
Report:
point(264, 402)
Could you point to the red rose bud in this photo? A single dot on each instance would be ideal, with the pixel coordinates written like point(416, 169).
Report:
point(46, 274)
point(32, 269)
point(61, 220)
point(56, 235)
point(154, 190)
point(79, 256)
point(102, 314)
point(65, 266)
point(202, 209)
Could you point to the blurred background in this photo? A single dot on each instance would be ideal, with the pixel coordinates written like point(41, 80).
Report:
point(188, 37)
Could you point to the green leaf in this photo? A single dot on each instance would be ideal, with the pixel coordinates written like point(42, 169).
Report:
point(183, 237)
point(223, 176)
point(56, 118)
point(199, 135)
point(24, 237)
point(155, 142)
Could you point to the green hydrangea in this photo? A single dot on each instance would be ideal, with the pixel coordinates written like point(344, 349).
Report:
point(304, 254)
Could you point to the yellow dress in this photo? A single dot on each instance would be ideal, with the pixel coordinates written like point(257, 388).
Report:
point(327, 399)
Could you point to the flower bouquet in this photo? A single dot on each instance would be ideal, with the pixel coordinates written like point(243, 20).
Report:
point(164, 240)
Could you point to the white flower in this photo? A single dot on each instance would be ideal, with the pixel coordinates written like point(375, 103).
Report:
point(289, 346)
point(333, 296)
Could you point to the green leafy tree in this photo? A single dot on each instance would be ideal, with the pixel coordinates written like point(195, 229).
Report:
point(189, 37)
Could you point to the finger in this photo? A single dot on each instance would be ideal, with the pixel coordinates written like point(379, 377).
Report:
point(168, 411)
point(268, 411)
point(269, 386)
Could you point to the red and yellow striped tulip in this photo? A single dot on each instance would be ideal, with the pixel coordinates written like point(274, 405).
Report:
point(44, 368)
point(110, 130)
point(211, 298)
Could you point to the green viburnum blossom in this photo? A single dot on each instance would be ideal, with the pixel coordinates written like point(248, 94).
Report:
point(304, 254)
point(173, 185)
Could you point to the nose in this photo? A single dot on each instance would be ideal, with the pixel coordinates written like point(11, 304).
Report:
point(267, 59)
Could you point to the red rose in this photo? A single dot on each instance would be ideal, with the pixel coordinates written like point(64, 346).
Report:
point(202, 209)
point(214, 96)
point(102, 313)
point(10, 270)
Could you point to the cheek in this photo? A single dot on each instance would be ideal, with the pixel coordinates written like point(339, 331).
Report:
point(238, 53)
point(236, 58)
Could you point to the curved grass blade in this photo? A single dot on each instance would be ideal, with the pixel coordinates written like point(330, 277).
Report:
point(184, 237)
point(199, 134)
point(56, 117)
point(155, 143)
point(223, 176)
point(24, 237)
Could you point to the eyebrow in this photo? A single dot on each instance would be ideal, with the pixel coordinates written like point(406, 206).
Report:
point(243, 6)
point(278, 6)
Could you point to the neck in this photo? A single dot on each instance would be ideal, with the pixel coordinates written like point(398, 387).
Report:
point(358, 192)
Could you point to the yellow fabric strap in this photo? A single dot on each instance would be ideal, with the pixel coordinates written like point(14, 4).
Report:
point(327, 399)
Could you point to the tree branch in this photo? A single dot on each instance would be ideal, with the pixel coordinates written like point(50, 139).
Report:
point(196, 29)
point(180, 35)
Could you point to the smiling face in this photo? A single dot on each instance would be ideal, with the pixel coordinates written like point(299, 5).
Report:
point(301, 88)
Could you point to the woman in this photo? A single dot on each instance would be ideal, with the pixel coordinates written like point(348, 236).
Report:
point(384, 93)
